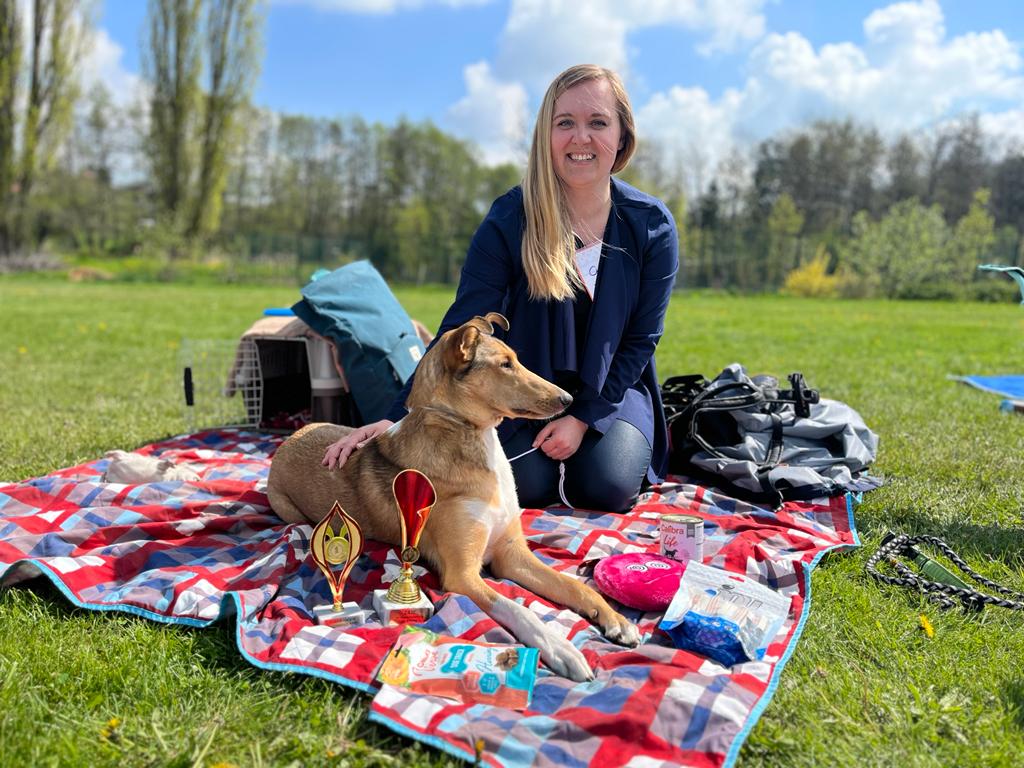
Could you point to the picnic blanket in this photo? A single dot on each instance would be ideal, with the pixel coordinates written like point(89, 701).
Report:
point(193, 553)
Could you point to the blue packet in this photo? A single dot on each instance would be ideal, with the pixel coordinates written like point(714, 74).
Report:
point(727, 617)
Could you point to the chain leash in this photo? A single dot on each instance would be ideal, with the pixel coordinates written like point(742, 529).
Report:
point(945, 595)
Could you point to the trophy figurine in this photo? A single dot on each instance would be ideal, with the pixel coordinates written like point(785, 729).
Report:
point(404, 601)
point(335, 545)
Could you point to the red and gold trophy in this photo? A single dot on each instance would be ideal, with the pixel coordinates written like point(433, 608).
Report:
point(404, 602)
point(335, 545)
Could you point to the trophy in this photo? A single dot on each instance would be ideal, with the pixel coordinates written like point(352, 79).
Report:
point(404, 601)
point(335, 545)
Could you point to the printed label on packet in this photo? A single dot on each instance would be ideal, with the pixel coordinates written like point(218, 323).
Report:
point(406, 616)
point(425, 662)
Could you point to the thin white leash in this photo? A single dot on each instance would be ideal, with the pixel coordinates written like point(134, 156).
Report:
point(561, 476)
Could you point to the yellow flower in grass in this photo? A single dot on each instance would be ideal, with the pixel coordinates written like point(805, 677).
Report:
point(109, 731)
point(22, 350)
point(926, 625)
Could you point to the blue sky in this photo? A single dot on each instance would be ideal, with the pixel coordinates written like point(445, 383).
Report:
point(705, 76)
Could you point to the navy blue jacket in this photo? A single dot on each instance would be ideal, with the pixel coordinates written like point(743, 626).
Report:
point(616, 369)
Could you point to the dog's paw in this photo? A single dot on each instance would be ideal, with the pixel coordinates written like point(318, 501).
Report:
point(622, 631)
point(565, 659)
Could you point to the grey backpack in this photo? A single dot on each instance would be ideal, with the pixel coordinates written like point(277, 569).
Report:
point(757, 441)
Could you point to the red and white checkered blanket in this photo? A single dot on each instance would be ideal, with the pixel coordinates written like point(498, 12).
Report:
point(191, 553)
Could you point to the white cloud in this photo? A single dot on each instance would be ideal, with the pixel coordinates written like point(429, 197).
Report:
point(694, 131)
point(492, 114)
point(907, 76)
point(102, 63)
point(543, 37)
point(1006, 129)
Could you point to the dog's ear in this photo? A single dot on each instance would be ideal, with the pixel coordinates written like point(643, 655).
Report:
point(486, 323)
point(497, 319)
point(464, 339)
point(462, 345)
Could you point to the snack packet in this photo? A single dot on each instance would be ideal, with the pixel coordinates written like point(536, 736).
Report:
point(725, 616)
point(425, 662)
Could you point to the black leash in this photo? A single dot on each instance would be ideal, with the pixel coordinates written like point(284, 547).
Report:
point(944, 587)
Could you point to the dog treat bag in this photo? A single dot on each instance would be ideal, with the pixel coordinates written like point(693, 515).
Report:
point(724, 616)
point(425, 662)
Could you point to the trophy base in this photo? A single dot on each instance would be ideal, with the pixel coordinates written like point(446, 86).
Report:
point(401, 613)
point(350, 615)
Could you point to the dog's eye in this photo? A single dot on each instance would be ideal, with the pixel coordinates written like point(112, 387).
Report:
point(506, 364)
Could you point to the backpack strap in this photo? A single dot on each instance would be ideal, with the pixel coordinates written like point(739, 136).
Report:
point(720, 396)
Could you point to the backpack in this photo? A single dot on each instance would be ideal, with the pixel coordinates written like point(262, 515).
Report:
point(375, 338)
point(759, 442)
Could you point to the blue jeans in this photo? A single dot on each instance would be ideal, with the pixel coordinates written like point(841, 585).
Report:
point(606, 473)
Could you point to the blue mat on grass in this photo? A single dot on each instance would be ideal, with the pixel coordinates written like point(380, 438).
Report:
point(1011, 386)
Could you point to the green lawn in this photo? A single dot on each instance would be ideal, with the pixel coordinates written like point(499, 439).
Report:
point(86, 368)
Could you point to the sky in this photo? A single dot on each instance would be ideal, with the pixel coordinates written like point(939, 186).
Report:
point(705, 77)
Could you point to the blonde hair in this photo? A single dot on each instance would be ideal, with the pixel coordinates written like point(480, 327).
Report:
point(548, 244)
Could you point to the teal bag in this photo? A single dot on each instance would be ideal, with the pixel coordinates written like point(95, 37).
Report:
point(377, 344)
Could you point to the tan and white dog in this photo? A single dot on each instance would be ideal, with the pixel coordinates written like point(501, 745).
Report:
point(464, 386)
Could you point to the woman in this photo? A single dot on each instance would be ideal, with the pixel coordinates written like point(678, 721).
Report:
point(583, 266)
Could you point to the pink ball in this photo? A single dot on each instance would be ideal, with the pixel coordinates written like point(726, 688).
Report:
point(639, 580)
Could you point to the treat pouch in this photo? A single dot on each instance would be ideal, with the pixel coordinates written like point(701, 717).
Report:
point(425, 662)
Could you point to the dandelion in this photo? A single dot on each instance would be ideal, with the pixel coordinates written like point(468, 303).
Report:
point(109, 731)
point(926, 625)
point(22, 350)
point(101, 326)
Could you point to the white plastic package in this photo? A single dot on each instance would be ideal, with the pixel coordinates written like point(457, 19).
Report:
point(727, 617)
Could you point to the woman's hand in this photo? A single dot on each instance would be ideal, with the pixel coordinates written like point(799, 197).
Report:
point(337, 453)
point(561, 438)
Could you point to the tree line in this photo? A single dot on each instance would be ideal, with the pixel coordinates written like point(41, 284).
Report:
point(190, 168)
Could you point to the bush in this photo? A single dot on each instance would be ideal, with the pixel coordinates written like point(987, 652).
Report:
point(812, 280)
point(995, 289)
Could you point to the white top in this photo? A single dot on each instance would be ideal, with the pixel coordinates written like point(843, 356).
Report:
point(588, 262)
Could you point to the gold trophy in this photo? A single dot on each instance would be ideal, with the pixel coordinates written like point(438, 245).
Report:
point(335, 545)
point(404, 602)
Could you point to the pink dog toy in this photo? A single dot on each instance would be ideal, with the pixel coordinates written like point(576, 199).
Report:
point(639, 580)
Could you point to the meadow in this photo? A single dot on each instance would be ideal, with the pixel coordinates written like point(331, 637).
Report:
point(90, 367)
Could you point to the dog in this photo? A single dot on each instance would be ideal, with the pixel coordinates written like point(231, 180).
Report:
point(134, 468)
point(465, 385)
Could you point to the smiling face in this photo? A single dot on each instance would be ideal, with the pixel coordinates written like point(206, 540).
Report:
point(586, 135)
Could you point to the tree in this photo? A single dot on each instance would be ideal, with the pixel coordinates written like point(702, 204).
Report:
point(191, 127)
point(971, 242)
point(10, 64)
point(903, 163)
point(899, 255)
point(784, 225)
point(232, 59)
point(55, 45)
point(172, 64)
point(1008, 191)
point(962, 170)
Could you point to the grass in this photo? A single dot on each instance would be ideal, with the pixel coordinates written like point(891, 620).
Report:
point(91, 367)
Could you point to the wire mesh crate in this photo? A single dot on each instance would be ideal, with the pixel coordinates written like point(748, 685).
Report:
point(260, 382)
point(222, 381)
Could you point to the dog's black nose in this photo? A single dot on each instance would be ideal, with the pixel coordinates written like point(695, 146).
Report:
point(565, 399)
